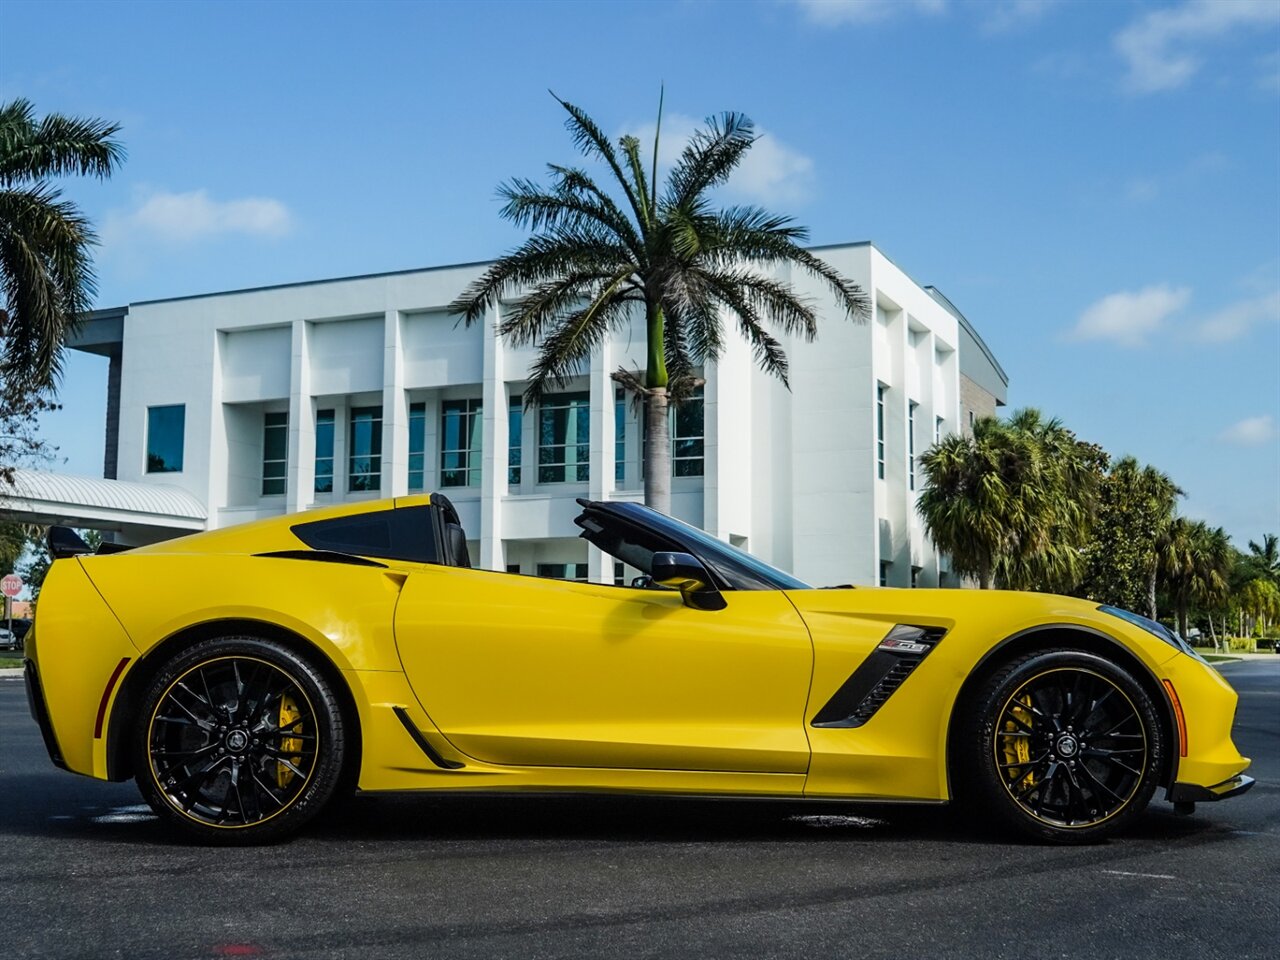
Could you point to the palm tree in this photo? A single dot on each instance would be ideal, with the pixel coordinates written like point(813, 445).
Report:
point(1012, 505)
point(980, 501)
point(1265, 557)
point(45, 268)
point(1068, 472)
point(601, 254)
point(1195, 563)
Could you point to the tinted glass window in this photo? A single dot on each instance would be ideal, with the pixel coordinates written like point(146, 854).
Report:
point(404, 534)
point(324, 451)
point(165, 429)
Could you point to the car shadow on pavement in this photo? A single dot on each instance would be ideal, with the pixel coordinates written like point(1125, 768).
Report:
point(41, 805)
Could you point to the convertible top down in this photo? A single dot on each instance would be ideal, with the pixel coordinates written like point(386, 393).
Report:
point(244, 676)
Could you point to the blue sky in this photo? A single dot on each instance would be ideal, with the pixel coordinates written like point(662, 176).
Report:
point(1096, 185)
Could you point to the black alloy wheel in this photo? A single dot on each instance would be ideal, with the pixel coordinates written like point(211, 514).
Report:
point(239, 740)
point(1064, 745)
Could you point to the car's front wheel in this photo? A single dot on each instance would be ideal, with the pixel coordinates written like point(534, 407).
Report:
point(1062, 745)
point(238, 740)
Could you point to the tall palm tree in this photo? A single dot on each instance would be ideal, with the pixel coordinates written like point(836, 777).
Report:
point(602, 253)
point(1012, 505)
point(1265, 557)
point(1195, 564)
point(45, 268)
point(981, 501)
point(1068, 472)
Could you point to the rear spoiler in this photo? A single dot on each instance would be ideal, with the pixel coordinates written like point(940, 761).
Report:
point(64, 542)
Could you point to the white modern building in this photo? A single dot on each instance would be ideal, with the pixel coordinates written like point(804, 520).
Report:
point(257, 402)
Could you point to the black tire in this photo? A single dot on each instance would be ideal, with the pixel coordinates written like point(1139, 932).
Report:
point(1060, 745)
point(238, 740)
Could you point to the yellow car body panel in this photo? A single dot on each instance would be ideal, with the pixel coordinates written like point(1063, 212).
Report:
point(604, 676)
point(520, 683)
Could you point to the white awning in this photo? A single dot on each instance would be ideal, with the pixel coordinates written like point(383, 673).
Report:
point(37, 496)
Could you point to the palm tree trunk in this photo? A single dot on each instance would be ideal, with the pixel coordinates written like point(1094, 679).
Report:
point(1151, 592)
point(984, 575)
point(1182, 617)
point(657, 458)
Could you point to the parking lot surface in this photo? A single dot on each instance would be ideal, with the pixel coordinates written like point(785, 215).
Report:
point(87, 871)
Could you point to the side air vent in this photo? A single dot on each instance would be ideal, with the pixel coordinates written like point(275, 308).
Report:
point(879, 676)
point(321, 556)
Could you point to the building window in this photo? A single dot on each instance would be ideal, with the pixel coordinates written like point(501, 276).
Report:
point(687, 431)
point(275, 453)
point(166, 429)
point(417, 447)
point(620, 437)
point(686, 437)
point(364, 450)
point(937, 430)
point(324, 451)
point(915, 577)
point(880, 430)
point(461, 427)
point(911, 444)
point(515, 436)
point(564, 438)
point(563, 571)
point(884, 573)
point(513, 568)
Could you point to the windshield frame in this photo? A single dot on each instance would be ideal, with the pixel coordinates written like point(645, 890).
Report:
point(735, 568)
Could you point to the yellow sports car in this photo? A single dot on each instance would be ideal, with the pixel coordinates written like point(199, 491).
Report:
point(246, 676)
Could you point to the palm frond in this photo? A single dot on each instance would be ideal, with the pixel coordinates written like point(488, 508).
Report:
point(709, 157)
point(56, 146)
point(591, 140)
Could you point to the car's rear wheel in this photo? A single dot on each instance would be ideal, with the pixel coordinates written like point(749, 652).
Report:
point(1062, 745)
point(238, 740)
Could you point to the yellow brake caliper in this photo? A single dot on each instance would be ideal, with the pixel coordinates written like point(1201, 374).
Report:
point(290, 715)
point(1017, 749)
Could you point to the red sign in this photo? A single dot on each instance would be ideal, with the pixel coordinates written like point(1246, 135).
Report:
point(11, 585)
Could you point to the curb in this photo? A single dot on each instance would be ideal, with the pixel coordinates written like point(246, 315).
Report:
point(11, 673)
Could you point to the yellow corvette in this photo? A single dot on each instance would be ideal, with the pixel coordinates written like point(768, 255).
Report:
point(246, 676)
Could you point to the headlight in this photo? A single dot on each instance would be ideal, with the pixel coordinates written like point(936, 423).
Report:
point(1153, 628)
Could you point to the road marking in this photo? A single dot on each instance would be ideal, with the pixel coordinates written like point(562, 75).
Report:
point(1148, 876)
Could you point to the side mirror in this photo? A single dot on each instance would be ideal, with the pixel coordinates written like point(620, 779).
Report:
point(684, 572)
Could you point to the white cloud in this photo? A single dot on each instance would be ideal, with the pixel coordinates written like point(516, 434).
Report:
point(1160, 47)
point(837, 12)
point(185, 217)
point(1235, 320)
point(1128, 318)
point(1251, 431)
point(771, 171)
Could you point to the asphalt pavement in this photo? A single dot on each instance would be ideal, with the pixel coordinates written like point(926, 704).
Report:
point(87, 872)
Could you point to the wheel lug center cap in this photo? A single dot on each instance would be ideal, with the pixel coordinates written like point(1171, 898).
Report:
point(1067, 745)
point(237, 740)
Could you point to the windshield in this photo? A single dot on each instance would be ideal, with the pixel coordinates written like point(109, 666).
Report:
point(719, 554)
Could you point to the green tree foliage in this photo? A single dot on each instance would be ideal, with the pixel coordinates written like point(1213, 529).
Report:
point(1135, 508)
point(1260, 602)
point(45, 267)
point(605, 251)
point(1012, 504)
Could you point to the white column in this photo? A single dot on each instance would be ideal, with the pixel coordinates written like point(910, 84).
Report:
point(600, 476)
point(395, 411)
point(493, 473)
point(301, 484)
